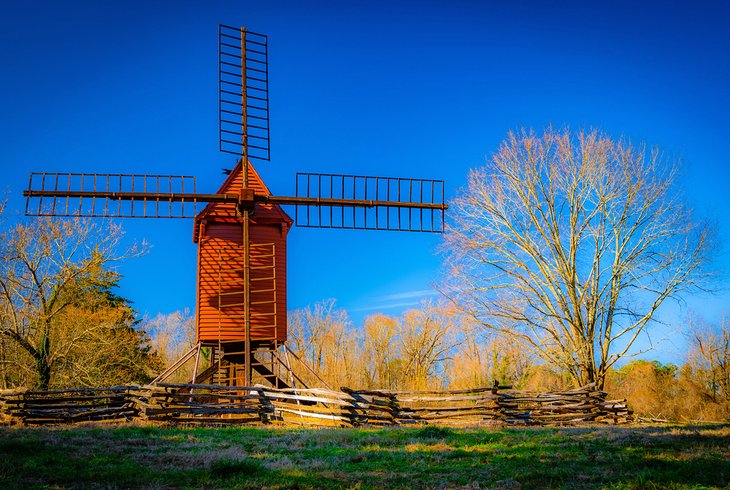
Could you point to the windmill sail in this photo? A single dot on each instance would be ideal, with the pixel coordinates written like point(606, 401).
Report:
point(243, 89)
point(369, 202)
point(111, 195)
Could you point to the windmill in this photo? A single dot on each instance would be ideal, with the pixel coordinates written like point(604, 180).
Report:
point(241, 229)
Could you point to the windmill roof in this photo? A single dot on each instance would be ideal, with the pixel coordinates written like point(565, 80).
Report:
point(226, 212)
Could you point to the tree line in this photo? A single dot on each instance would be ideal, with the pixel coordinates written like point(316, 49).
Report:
point(559, 253)
point(435, 347)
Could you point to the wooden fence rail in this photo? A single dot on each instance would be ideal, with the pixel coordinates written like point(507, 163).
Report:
point(214, 404)
point(69, 405)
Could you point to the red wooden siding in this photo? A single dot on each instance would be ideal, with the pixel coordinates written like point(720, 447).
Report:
point(220, 269)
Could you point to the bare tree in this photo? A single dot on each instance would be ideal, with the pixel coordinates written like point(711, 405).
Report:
point(47, 268)
point(709, 357)
point(480, 360)
point(322, 336)
point(382, 351)
point(171, 337)
point(427, 342)
point(571, 243)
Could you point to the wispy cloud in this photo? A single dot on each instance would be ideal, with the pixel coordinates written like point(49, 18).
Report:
point(422, 293)
point(388, 306)
point(398, 300)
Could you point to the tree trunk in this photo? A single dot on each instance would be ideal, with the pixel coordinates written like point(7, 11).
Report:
point(43, 365)
point(587, 372)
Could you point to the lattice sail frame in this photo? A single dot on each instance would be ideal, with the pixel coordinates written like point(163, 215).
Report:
point(370, 202)
point(111, 195)
point(243, 89)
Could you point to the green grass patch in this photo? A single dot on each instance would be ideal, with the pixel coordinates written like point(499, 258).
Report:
point(419, 457)
point(243, 468)
point(434, 432)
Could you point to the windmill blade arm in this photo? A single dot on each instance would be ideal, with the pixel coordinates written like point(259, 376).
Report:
point(352, 203)
point(115, 195)
point(368, 202)
point(243, 93)
point(134, 196)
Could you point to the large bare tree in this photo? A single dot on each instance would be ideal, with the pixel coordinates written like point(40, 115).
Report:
point(571, 243)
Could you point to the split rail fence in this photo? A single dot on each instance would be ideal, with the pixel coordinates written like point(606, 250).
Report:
point(189, 404)
point(68, 405)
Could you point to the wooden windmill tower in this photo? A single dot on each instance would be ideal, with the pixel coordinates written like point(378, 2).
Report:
point(241, 230)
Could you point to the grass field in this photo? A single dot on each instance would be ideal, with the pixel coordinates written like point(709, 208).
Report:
point(429, 457)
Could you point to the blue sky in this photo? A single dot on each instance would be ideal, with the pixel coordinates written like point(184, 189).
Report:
point(422, 89)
